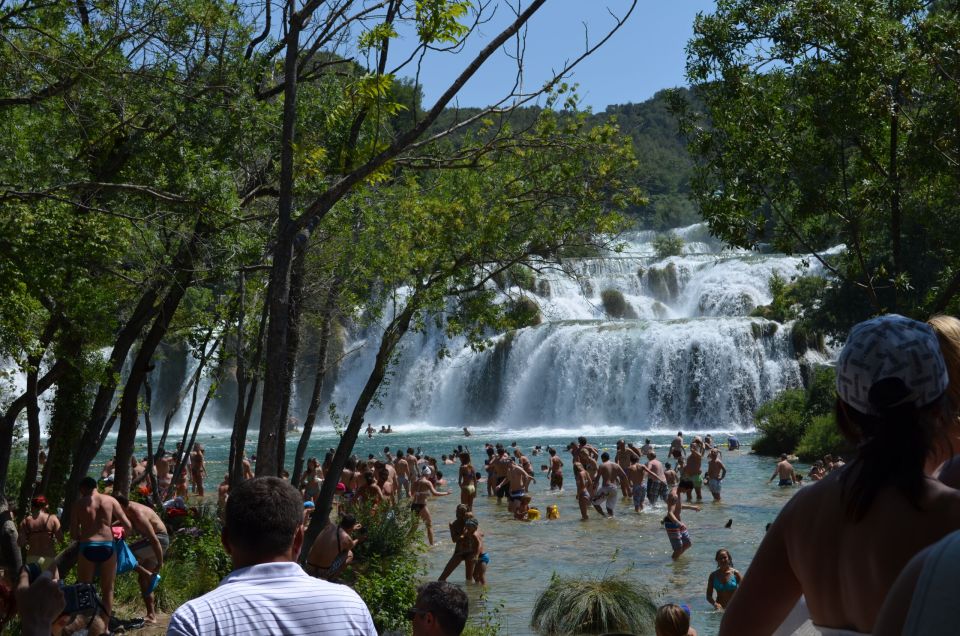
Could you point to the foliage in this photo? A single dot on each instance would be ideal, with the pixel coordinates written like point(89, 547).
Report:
point(666, 245)
point(781, 422)
point(801, 420)
point(484, 620)
point(18, 466)
point(834, 123)
point(593, 606)
point(386, 565)
point(822, 437)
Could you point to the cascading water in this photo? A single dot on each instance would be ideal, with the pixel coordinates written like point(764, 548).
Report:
point(684, 354)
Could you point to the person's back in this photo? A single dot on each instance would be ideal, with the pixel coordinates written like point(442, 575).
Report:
point(817, 532)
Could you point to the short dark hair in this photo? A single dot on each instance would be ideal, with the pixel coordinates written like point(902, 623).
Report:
point(605, 456)
point(123, 500)
point(263, 515)
point(88, 483)
point(348, 521)
point(448, 604)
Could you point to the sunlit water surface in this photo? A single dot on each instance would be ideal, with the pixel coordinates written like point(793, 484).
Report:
point(523, 555)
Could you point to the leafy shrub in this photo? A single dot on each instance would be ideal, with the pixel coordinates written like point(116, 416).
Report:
point(781, 423)
point(666, 245)
point(15, 472)
point(616, 305)
point(593, 606)
point(822, 437)
point(523, 312)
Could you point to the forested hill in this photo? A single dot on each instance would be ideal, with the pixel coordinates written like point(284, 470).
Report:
point(665, 165)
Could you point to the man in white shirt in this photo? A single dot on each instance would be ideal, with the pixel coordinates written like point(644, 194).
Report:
point(268, 592)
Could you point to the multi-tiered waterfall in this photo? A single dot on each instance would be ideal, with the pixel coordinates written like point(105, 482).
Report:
point(685, 354)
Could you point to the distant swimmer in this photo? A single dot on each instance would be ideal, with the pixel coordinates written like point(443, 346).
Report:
point(370, 431)
point(733, 443)
point(466, 432)
point(784, 470)
point(556, 470)
point(677, 444)
point(647, 447)
point(691, 469)
point(656, 488)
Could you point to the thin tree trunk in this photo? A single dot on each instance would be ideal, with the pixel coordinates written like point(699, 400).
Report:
point(278, 294)
point(326, 330)
point(295, 310)
point(188, 386)
point(187, 445)
point(895, 211)
point(29, 483)
point(70, 410)
point(152, 483)
point(245, 403)
point(388, 343)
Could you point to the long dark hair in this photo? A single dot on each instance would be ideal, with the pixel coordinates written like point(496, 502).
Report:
point(891, 447)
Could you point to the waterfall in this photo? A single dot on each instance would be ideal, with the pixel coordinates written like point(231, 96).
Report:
point(684, 352)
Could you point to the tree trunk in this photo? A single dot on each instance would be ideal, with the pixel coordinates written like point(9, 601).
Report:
point(278, 292)
point(29, 483)
point(388, 343)
point(70, 409)
point(193, 381)
point(895, 186)
point(244, 411)
point(295, 310)
point(326, 330)
point(129, 401)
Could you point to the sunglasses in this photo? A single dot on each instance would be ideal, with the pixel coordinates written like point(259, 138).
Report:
point(413, 611)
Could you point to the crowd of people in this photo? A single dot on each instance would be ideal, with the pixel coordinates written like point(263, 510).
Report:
point(884, 523)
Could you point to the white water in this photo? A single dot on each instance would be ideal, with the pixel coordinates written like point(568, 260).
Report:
point(691, 357)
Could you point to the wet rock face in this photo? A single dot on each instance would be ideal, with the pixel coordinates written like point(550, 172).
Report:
point(616, 305)
point(664, 282)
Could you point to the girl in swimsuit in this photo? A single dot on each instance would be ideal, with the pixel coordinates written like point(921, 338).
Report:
point(724, 580)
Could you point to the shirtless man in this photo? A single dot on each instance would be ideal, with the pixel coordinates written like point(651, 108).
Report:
point(348, 479)
point(403, 472)
point(676, 531)
point(333, 547)
point(223, 491)
point(612, 476)
point(519, 478)
point(247, 468)
point(556, 470)
point(656, 488)
point(420, 492)
point(784, 470)
point(162, 464)
point(39, 532)
point(623, 459)
point(387, 485)
point(149, 549)
point(716, 472)
point(584, 488)
point(198, 469)
point(370, 431)
point(638, 474)
point(677, 443)
point(647, 448)
point(108, 468)
point(90, 524)
point(691, 469)
point(501, 466)
point(587, 455)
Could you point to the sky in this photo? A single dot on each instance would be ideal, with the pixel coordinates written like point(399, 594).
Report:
point(644, 56)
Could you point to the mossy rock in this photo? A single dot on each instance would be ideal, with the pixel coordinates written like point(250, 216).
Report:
point(664, 283)
point(524, 312)
point(763, 329)
point(616, 305)
point(543, 288)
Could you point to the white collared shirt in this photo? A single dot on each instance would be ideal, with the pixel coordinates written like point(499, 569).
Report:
point(274, 598)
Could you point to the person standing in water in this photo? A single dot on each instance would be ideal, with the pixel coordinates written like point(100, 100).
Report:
point(656, 488)
point(467, 480)
point(716, 472)
point(639, 475)
point(676, 530)
point(784, 470)
point(584, 488)
point(556, 470)
point(723, 581)
point(39, 532)
point(612, 476)
point(420, 492)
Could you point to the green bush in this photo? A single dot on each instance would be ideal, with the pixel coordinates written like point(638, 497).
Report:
point(822, 437)
point(611, 603)
point(781, 422)
point(666, 245)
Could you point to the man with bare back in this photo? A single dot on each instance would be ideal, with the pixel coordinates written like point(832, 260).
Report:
point(501, 466)
point(149, 549)
point(656, 488)
point(420, 491)
point(90, 524)
point(638, 474)
point(519, 478)
point(403, 472)
point(584, 488)
point(467, 480)
point(198, 469)
point(612, 476)
point(623, 457)
point(556, 471)
point(162, 465)
point(676, 530)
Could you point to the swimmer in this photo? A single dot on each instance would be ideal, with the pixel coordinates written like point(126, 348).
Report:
point(612, 476)
point(420, 492)
point(676, 530)
point(723, 581)
point(784, 470)
point(556, 470)
point(716, 472)
point(638, 475)
point(467, 480)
